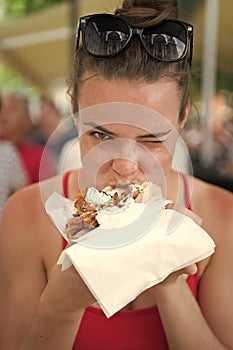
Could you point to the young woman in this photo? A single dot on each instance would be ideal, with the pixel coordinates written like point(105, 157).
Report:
point(140, 56)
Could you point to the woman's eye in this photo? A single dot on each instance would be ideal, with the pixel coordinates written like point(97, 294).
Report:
point(100, 135)
point(153, 141)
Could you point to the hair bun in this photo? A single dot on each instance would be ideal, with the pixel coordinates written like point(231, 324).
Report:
point(148, 11)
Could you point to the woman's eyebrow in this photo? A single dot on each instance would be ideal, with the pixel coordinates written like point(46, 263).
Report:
point(100, 128)
point(156, 134)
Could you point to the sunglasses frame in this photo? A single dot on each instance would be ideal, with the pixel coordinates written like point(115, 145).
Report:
point(188, 28)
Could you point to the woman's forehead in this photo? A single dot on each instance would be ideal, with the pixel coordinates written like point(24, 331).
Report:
point(120, 117)
point(98, 90)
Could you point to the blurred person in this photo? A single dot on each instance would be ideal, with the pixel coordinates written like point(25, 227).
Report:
point(43, 307)
point(52, 130)
point(218, 170)
point(222, 131)
point(12, 173)
point(229, 137)
point(16, 126)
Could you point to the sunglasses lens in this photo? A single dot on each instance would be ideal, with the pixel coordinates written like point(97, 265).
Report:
point(105, 35)
point(166, 42)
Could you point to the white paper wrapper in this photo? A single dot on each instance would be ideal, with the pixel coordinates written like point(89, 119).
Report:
point(117, 271)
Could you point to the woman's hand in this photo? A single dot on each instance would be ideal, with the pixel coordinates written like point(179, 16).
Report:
point(173, 282)
point(66, 293)
point(185, 211)
point(59, 312)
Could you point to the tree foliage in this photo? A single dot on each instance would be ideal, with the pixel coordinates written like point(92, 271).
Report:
point(10, 80)
point(20, 8)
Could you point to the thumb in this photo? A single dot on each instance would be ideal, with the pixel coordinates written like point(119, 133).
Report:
point(191, 269)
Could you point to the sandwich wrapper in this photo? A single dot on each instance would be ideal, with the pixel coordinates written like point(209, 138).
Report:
point(117, 271)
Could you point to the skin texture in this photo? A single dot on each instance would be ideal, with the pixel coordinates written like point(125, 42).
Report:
point(39, 304)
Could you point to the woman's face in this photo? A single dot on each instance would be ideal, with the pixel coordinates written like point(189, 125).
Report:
point(127, 130)
point(14, 119)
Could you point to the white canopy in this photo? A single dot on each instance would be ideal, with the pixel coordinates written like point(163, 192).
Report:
point(39, 46)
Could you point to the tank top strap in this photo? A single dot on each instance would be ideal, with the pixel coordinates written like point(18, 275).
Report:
point(186, 191)
point(65, 180)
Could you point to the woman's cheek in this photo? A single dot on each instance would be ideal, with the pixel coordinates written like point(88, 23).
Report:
point(85, 145)
point(156, 163)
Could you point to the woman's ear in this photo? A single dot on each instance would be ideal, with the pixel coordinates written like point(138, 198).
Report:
point(186, 114)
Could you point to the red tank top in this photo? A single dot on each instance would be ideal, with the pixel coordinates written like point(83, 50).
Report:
point(127, 329)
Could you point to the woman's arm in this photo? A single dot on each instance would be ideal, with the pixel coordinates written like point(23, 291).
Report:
point(40, 306)
point(184, 324)
point(21, 272)
point(59, 312)
point(206, 323)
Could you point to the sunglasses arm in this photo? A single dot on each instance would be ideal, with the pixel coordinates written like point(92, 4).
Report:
point(78, 37)
point(191, 50)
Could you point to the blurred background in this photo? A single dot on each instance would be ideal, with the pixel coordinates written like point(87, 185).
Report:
point(36, 49)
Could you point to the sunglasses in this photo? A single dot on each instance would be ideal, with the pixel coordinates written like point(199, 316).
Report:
point(105, 35)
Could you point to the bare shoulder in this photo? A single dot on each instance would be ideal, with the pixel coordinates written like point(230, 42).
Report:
point(215, 293)
point(26, 225)
point(215, 206)
point(27, 204)
point(29, 248)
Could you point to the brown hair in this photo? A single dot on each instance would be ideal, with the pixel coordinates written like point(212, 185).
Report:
point(134, 63)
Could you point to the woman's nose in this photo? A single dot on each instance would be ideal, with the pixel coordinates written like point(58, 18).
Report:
point(124, 167)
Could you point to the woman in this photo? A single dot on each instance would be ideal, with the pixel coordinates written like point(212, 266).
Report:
point(16, 127)
point(12, 175)
point(42, 307)
point(10, 165)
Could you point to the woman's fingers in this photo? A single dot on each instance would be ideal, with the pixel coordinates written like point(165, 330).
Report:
point(185, 211)
point(190, 270)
